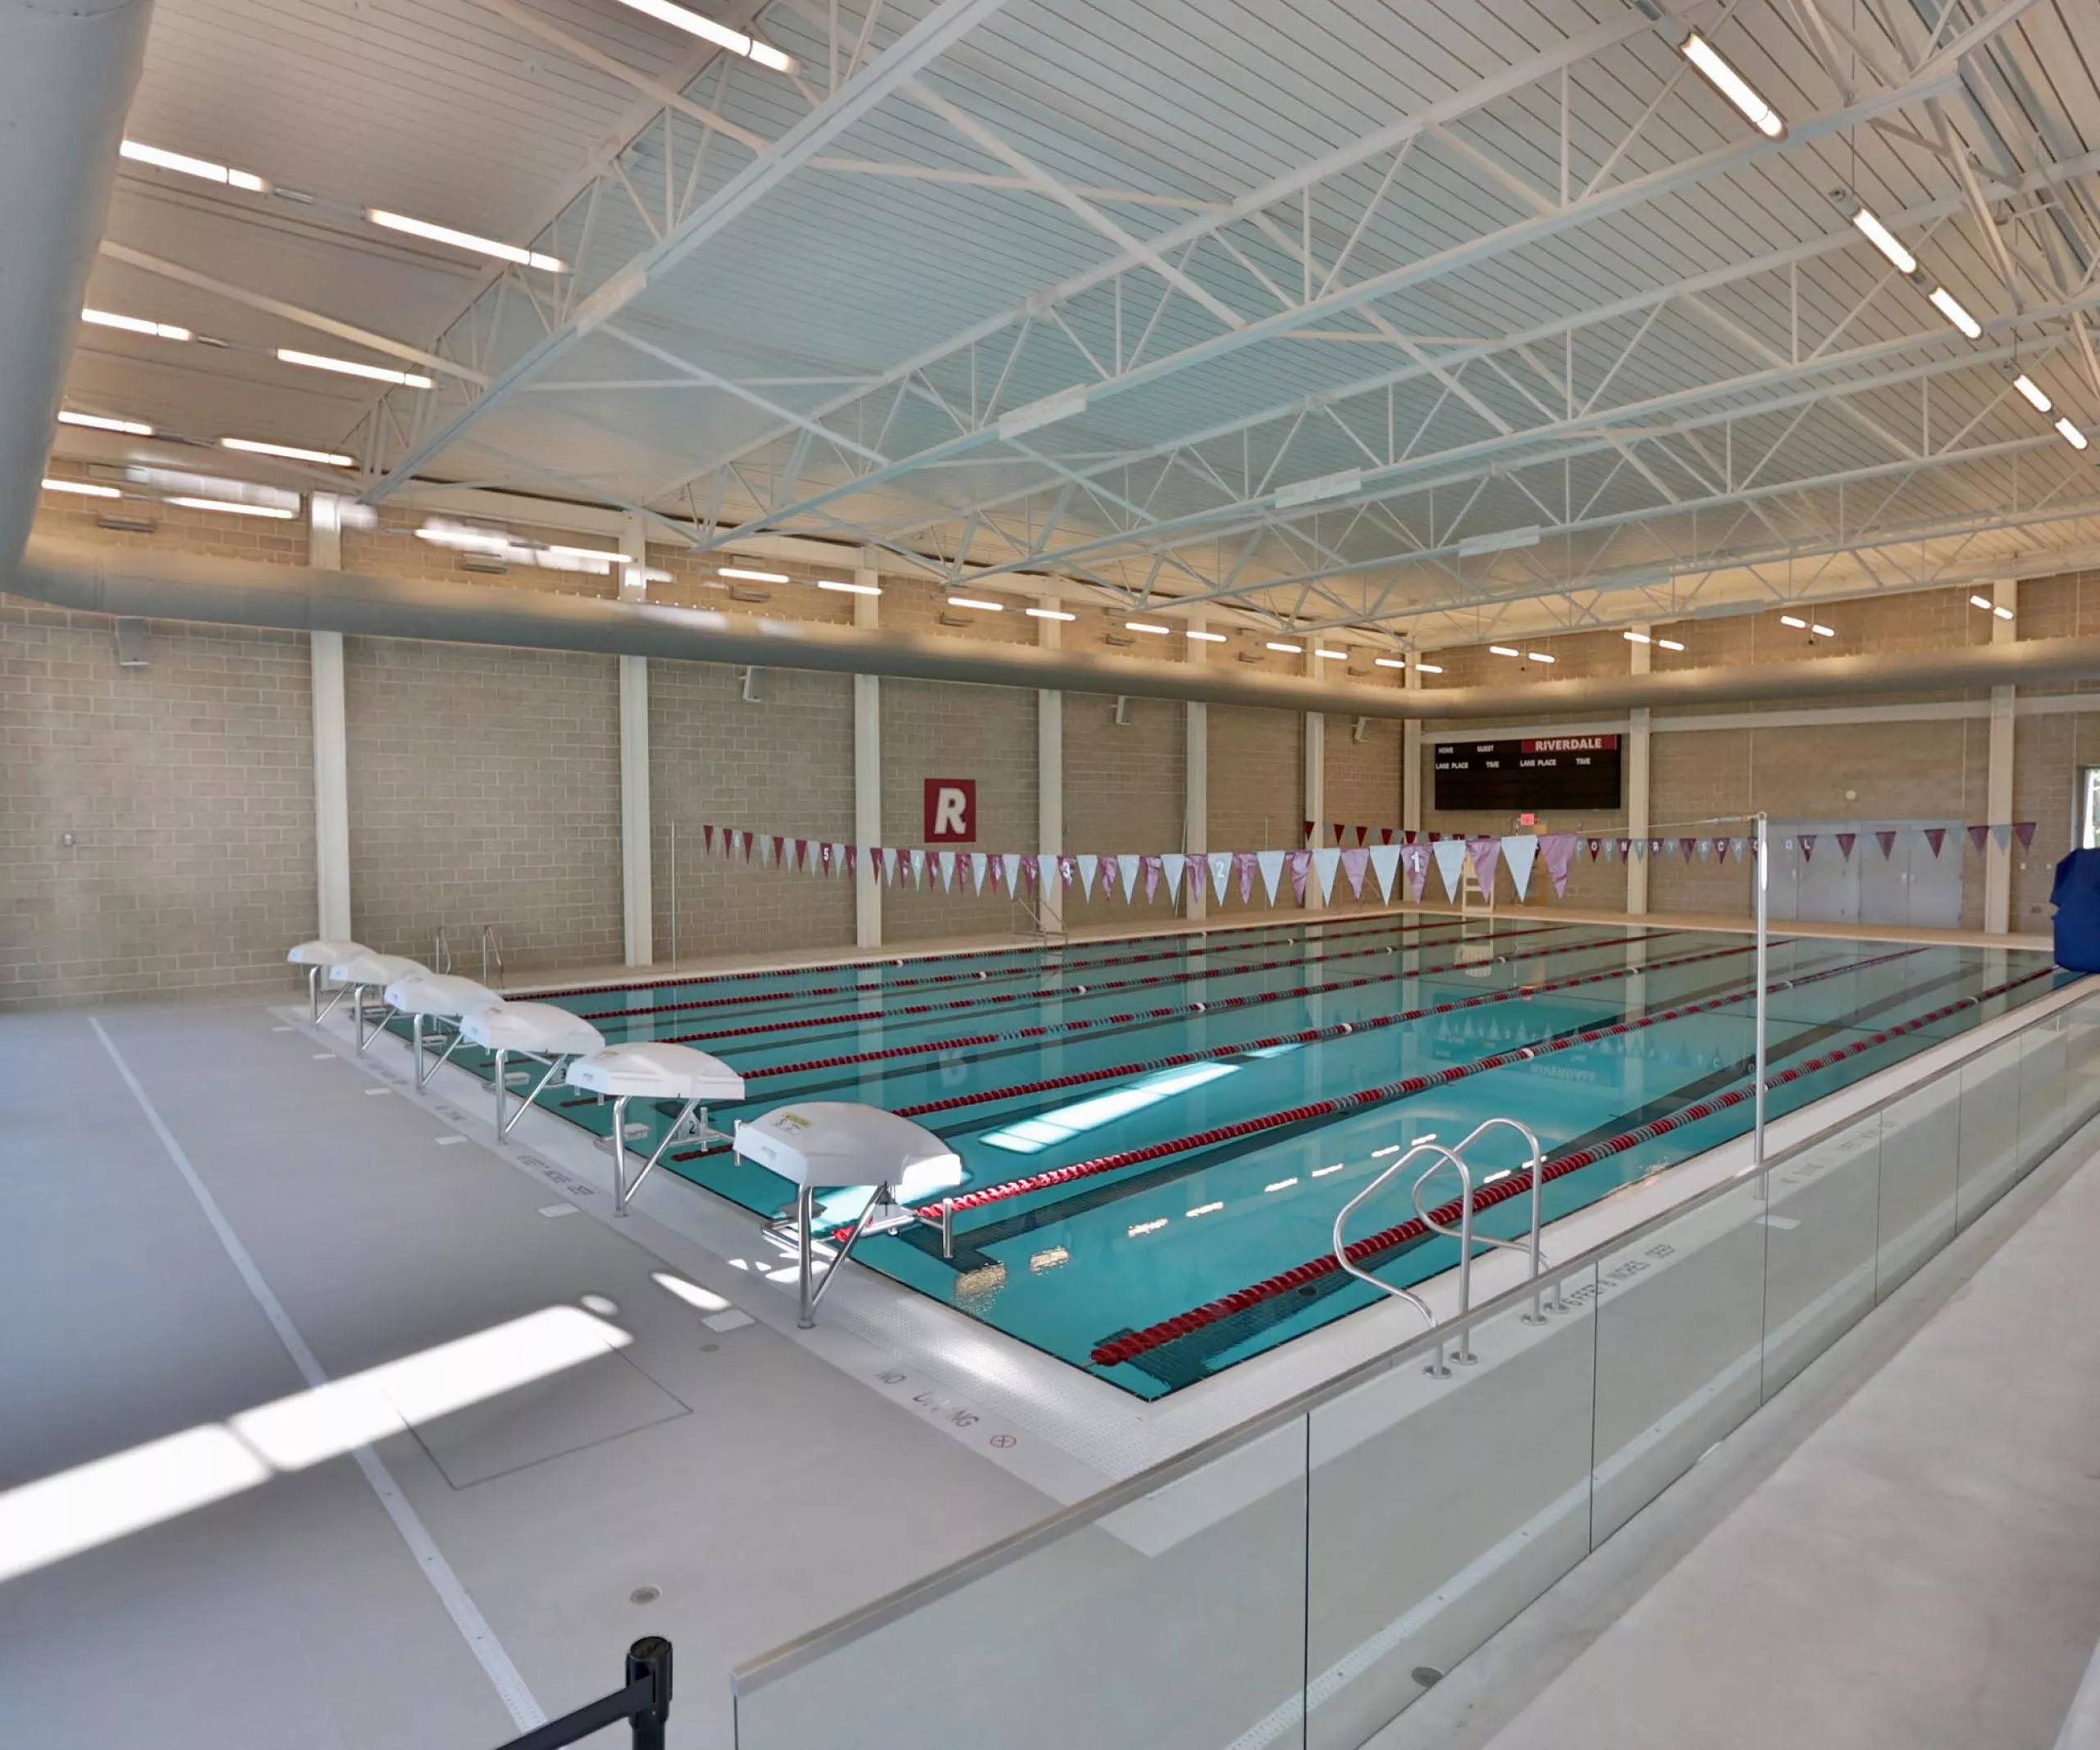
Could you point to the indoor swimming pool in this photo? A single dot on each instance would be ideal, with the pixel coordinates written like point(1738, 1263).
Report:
point(1157, 1132)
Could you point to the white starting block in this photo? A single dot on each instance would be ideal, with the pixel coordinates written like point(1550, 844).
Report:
point(316, 957)
point(839, 1143)
point(652, 1069)
point(436, 997)
point(365, 970)
point(544, 1032)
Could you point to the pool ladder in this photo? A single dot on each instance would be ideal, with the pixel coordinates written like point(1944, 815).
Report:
point(1440, 1156)
point(441, 954)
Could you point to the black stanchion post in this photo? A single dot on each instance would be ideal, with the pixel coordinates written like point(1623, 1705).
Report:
point(649, 1658)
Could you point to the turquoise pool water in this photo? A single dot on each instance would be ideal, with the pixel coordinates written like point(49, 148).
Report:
point(1205, 1104)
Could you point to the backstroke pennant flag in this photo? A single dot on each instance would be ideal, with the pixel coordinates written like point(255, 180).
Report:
point(1108, 868)
point(1149, 862)
point(1010, 861)
point(1220, 868)
point(1846, 841)
point(948, 871)
point(1486, 854)
point(1977, 835)
point(1415, 858)
point(917, 868)
point(1129, 868)
point(1270, 864)
point(1451, 854)
point(1887, 841)
point(1325, 860)
point(1385, 865)
point(2024, 831)
point(1558, 850)
point(2002, 834)
point(1031, 870)
point(1067, 871)
point(1172, 863)
point(1354, 861)
point(1086, 864)
point(1299, 863)
point(1936, 836)
point(1243, 862)
point(977, 868)
point(1519, 851)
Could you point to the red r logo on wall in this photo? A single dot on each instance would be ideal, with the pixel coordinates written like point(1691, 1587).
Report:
point(950, 811)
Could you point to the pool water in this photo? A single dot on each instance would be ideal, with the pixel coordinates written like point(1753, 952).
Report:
point(1203, 1105)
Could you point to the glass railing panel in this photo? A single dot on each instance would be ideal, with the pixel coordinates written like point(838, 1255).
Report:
point(1680, 1347)
point(1441, 1507)
point(2081, 1062)
point(1176, 1621)
point(1990, 1127)
point(2041, 1090)
point(1821, 1219)
point(1921, 1148)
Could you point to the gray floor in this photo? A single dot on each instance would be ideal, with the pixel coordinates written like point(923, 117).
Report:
point(1903, 1549)
point(758, 1490)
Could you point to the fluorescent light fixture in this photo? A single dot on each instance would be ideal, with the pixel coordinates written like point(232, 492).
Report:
point(465, 240)
point(1312, 491)
point(1539, 656)
point(1984, 602)
point(229, 507)
point(1788, 619)
point(85, 488)
point(189, 166)
point(1502, 542)
point(1285, 650)
point(289, 452)
point(1332, 656)
point(99, 422)
point(849, 589)
point(977, 602)
point(1146, 625)
point(2071, 434)
point(1205, 637)
point(1427, 668)
point(1885, 240)
point(751, 577)
point(2032, 390)
point(1389, 662)
point(1055, 613)
point(593, 555)
point(1949, 306)
point(708, 31)
point(1733, 86)
point(1821, 631)
point(377, 373)
point(1503, 650)
point(158, 330)
point(1047, 411)
point(2002, 613)
point(1047, 1130)
point(1669, 644)
point(1637, 637)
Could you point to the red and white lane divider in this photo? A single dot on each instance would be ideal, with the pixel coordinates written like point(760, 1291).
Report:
point(1007, 998)
point(1133, 1344)
point(1018, 972)
point(1052, 1177)
point(961, 953)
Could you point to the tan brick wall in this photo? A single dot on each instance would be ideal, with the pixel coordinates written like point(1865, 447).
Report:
point(187, 786)
point(484, 788)
point(1123, 793)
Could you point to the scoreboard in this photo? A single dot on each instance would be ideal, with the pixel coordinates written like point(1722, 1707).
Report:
point(1539, 773)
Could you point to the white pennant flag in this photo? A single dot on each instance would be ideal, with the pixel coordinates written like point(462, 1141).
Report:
point(1171, 865)
point(1270, 864)
point(1089, 865)
point(917, 868)
point(979, 866)
point(1386, 865)
point(1326, 861)
point(947, 870)
point(1129, 867)
point(1221, 865)
point(1519, 850)
point(1010, 861)
point(1450, 855)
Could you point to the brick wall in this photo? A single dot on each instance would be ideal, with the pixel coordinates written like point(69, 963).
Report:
point(187, 787)
point(484, 788)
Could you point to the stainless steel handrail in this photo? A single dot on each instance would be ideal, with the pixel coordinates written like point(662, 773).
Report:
point(784, 1661)
point(490, 950)
point(440, 952)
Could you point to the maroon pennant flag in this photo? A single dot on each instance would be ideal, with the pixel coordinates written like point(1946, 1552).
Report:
point(1031, 871)
point(1887, 841)
point(823, 856)
point(853, 860)
point(1935, 836)
point(1684, 848)
point(1151, 865)
point(1363, 834)
point(1808, 846)
point(1846, 841)
point(1341, 834)
point(1721, 850)
point(1409, 836)
point(1625, 847)
point(1243, 861)
point(1596, 848)
point(707, 832)
point(2023, 830)
point(1977, 835)
point(1385, 835)
point(1311, 827)
point(1353, 864)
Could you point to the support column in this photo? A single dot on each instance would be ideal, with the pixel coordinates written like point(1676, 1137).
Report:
point(1997, 781)
point(1050, 779)
point(1196, 784)
point(1411, 759)
point(1314, 787)
point(867, 770)
point(331, 744)
point(1638, 744)
point(638, 870)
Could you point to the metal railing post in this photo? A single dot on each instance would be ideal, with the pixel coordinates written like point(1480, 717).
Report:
point(1763, 884)
point(650, 1657)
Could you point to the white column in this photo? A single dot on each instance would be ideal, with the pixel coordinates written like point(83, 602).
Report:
point(1050, 779)
point(1196, 783)
point(867, 771)
point(331, 742)
point(1638, 738)
point(1314, 789)
point(1410, 760)
point(638, 873)
point(1997, 781)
